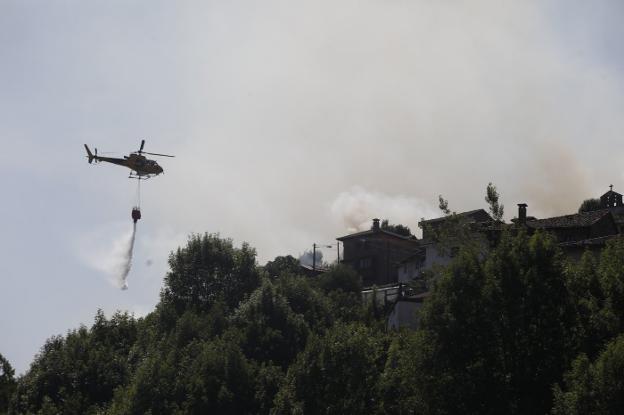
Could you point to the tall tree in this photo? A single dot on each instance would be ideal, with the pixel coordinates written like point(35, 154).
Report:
point(269, 329)
point(79, 373)
point(335, 374)
point(611, 276)
point(594, 388)
point(403, 383)
point(210, 376)
point(396, 228)
point(282, 264)
point(443, 205)
point(492, 198)
point(343, 288)
point(499, 329)
point(453, 231)
point(7, 384)
point(208, 269)
point(589, 205)
point(594, 322)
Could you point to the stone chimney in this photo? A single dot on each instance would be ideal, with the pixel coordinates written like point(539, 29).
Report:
point(522, 216)
point(375, 224)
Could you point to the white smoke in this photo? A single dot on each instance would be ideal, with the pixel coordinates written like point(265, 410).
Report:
point(356, 208)
point(548, 191)
point(307, 259)
point(112, 258)
point(414, 98)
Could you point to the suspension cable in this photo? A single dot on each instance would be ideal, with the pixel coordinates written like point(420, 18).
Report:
point(138, 193)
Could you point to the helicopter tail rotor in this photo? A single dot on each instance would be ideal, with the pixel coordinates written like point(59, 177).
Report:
point(90, 155)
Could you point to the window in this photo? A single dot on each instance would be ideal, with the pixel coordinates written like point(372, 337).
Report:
point(365, 263)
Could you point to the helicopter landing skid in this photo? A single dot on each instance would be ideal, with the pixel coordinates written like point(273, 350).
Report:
point(134, 176)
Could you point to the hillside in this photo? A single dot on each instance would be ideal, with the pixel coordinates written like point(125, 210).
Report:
point(517, 331)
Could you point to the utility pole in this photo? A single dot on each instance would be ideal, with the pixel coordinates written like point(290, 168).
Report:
point(338, 250)
point(314, 257)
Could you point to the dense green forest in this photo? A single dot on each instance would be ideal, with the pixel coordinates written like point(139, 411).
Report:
point(516, 331)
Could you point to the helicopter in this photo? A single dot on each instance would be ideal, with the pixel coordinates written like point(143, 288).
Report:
point(140, 166)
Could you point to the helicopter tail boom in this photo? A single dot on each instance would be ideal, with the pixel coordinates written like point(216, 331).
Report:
point(89, 154)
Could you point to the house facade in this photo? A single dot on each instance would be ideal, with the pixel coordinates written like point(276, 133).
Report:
point(376, 254)
point(577, 233)
point(387, 259)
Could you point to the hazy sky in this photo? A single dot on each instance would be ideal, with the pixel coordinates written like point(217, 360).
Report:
point(291, 121)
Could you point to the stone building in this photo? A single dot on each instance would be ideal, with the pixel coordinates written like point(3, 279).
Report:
point(434, 254)
point(430, 226)
point(376, 253)
point(576, 227)
point(577, 232)
point(395, 262)
point(613, 201)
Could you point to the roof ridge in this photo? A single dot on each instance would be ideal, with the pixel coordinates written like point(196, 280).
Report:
point(602, 212)
point(466, 213)
point(581, 219)
point(380, 230)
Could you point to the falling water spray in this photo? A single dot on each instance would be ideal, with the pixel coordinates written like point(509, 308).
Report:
point(127, 260)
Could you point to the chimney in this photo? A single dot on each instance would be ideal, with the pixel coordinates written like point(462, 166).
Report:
point(522, 216)
point(375, 224)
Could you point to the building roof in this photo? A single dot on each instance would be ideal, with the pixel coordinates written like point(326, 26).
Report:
point(377, 231)
point(577, 220)
point(611, 193)
point(599, 241)
point(317, 270)
point(472, 214)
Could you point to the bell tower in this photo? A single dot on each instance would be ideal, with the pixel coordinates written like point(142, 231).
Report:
point(611, 199)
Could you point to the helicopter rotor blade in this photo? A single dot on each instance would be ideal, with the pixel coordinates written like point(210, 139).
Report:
point(142, 145)
point(157, 154)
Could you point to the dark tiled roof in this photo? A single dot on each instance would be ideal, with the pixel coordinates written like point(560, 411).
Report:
point(372, 232)
point(469, 214)
point(318, 268)
point(589, 242)
point(577, 220)
point(610, 192)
